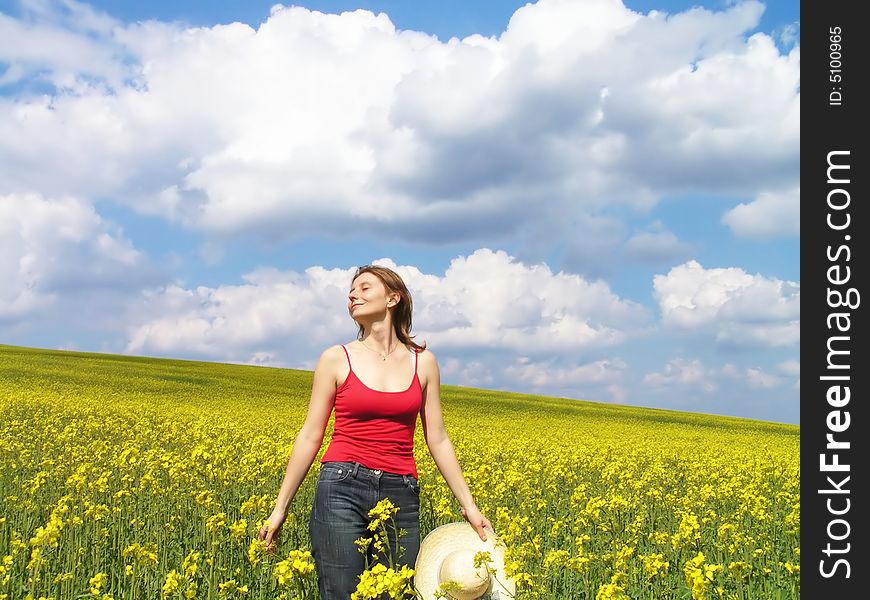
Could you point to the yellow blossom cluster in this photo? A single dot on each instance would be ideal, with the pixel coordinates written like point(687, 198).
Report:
point(298, 563)
point(381, 579)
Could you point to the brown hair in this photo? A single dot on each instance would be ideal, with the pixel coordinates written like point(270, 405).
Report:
point(403, 308)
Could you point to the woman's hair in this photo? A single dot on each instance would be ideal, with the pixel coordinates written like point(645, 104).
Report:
point(403, 308)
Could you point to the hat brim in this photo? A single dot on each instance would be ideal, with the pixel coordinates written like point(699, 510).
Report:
point(442, 541)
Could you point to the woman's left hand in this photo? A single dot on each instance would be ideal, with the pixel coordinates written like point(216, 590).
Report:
point(477, 520)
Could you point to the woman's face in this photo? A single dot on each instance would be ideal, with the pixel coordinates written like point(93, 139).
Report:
point(368, 295)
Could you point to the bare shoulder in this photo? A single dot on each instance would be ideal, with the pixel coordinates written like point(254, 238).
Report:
point(331, 361)
point(332, 353)
point(427, 358)
point(427, 368)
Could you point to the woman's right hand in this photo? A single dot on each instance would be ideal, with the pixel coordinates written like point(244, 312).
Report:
point(270, 530)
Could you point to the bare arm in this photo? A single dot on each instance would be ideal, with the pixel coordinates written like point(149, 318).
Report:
point(308, 441)
point(440, 446)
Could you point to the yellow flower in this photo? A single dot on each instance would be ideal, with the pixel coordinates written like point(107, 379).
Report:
point(556, 558)
point(144, 555)
point(216, 522)
point(173, 580)
point(190, 564)
point(382, 512)
point(445, 589)
point(612, 590)
point(60, 578)
point(257, 551)
point(483, 558)
point(381, 579)
point(654, 564)
point(239, 529)
point(793, 569)
point(298, 563)
point(96, 583)
point(739, 569)
point(363, 543)
point(700, 576)
point(688, 533)
point(226, 587)
point(204, 498)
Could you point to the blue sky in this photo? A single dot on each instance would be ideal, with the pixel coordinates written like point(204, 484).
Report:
point(587, 199)
point(443, 18)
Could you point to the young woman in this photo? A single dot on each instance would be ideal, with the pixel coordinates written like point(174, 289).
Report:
point(371, 454)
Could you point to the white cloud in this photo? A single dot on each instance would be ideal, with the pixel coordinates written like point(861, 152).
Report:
point(790, 367)
point(559, 374)
point(692, 375)
point(729, 303)
point(497, 302)
point(655, 246)
point(486, 301)
point(468, 373)
point(757, 379)
point(61, 42)
point(688, 384)
point(60, 248)
point(546, 375)
point(770, 214)
point(790, 34)
point(316, 122)
point(681, 372)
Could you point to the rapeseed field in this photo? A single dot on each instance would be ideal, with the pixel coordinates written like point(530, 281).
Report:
point(125, 477)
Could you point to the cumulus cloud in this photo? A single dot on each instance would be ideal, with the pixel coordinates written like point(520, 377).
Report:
point(314, 122)
point(558, 375)
point(655, 246)
point(734, 306)
point(544, 375)
point(469, 373)
point(692, 375)
point(790, 367)
point(757, 378)
point(689, 384)
point(486, 300)
point(790, 34)
point(53, 248)
point(60, 43)
point(682, 372)
point(771, 214)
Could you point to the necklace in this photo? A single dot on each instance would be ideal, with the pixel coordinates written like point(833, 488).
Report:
point(381, 354)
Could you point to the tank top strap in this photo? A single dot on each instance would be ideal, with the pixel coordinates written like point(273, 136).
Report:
point(416, 356)
point(348, 357)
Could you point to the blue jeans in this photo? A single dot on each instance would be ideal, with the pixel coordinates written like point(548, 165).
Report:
point(345, 493)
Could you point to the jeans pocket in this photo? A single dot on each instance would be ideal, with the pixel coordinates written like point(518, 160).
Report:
point(334, 473)
point(413, 484)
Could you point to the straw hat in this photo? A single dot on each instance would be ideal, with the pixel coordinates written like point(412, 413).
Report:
point(447, 555)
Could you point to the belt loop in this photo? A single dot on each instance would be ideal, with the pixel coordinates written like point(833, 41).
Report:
point(405, 480)
point(355, 469)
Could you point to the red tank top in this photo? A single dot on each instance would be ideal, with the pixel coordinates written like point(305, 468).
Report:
point(374, 428)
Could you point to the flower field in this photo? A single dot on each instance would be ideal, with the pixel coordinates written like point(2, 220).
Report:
point(125, 477)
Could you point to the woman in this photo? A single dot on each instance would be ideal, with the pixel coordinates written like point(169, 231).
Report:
point(371, 455)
